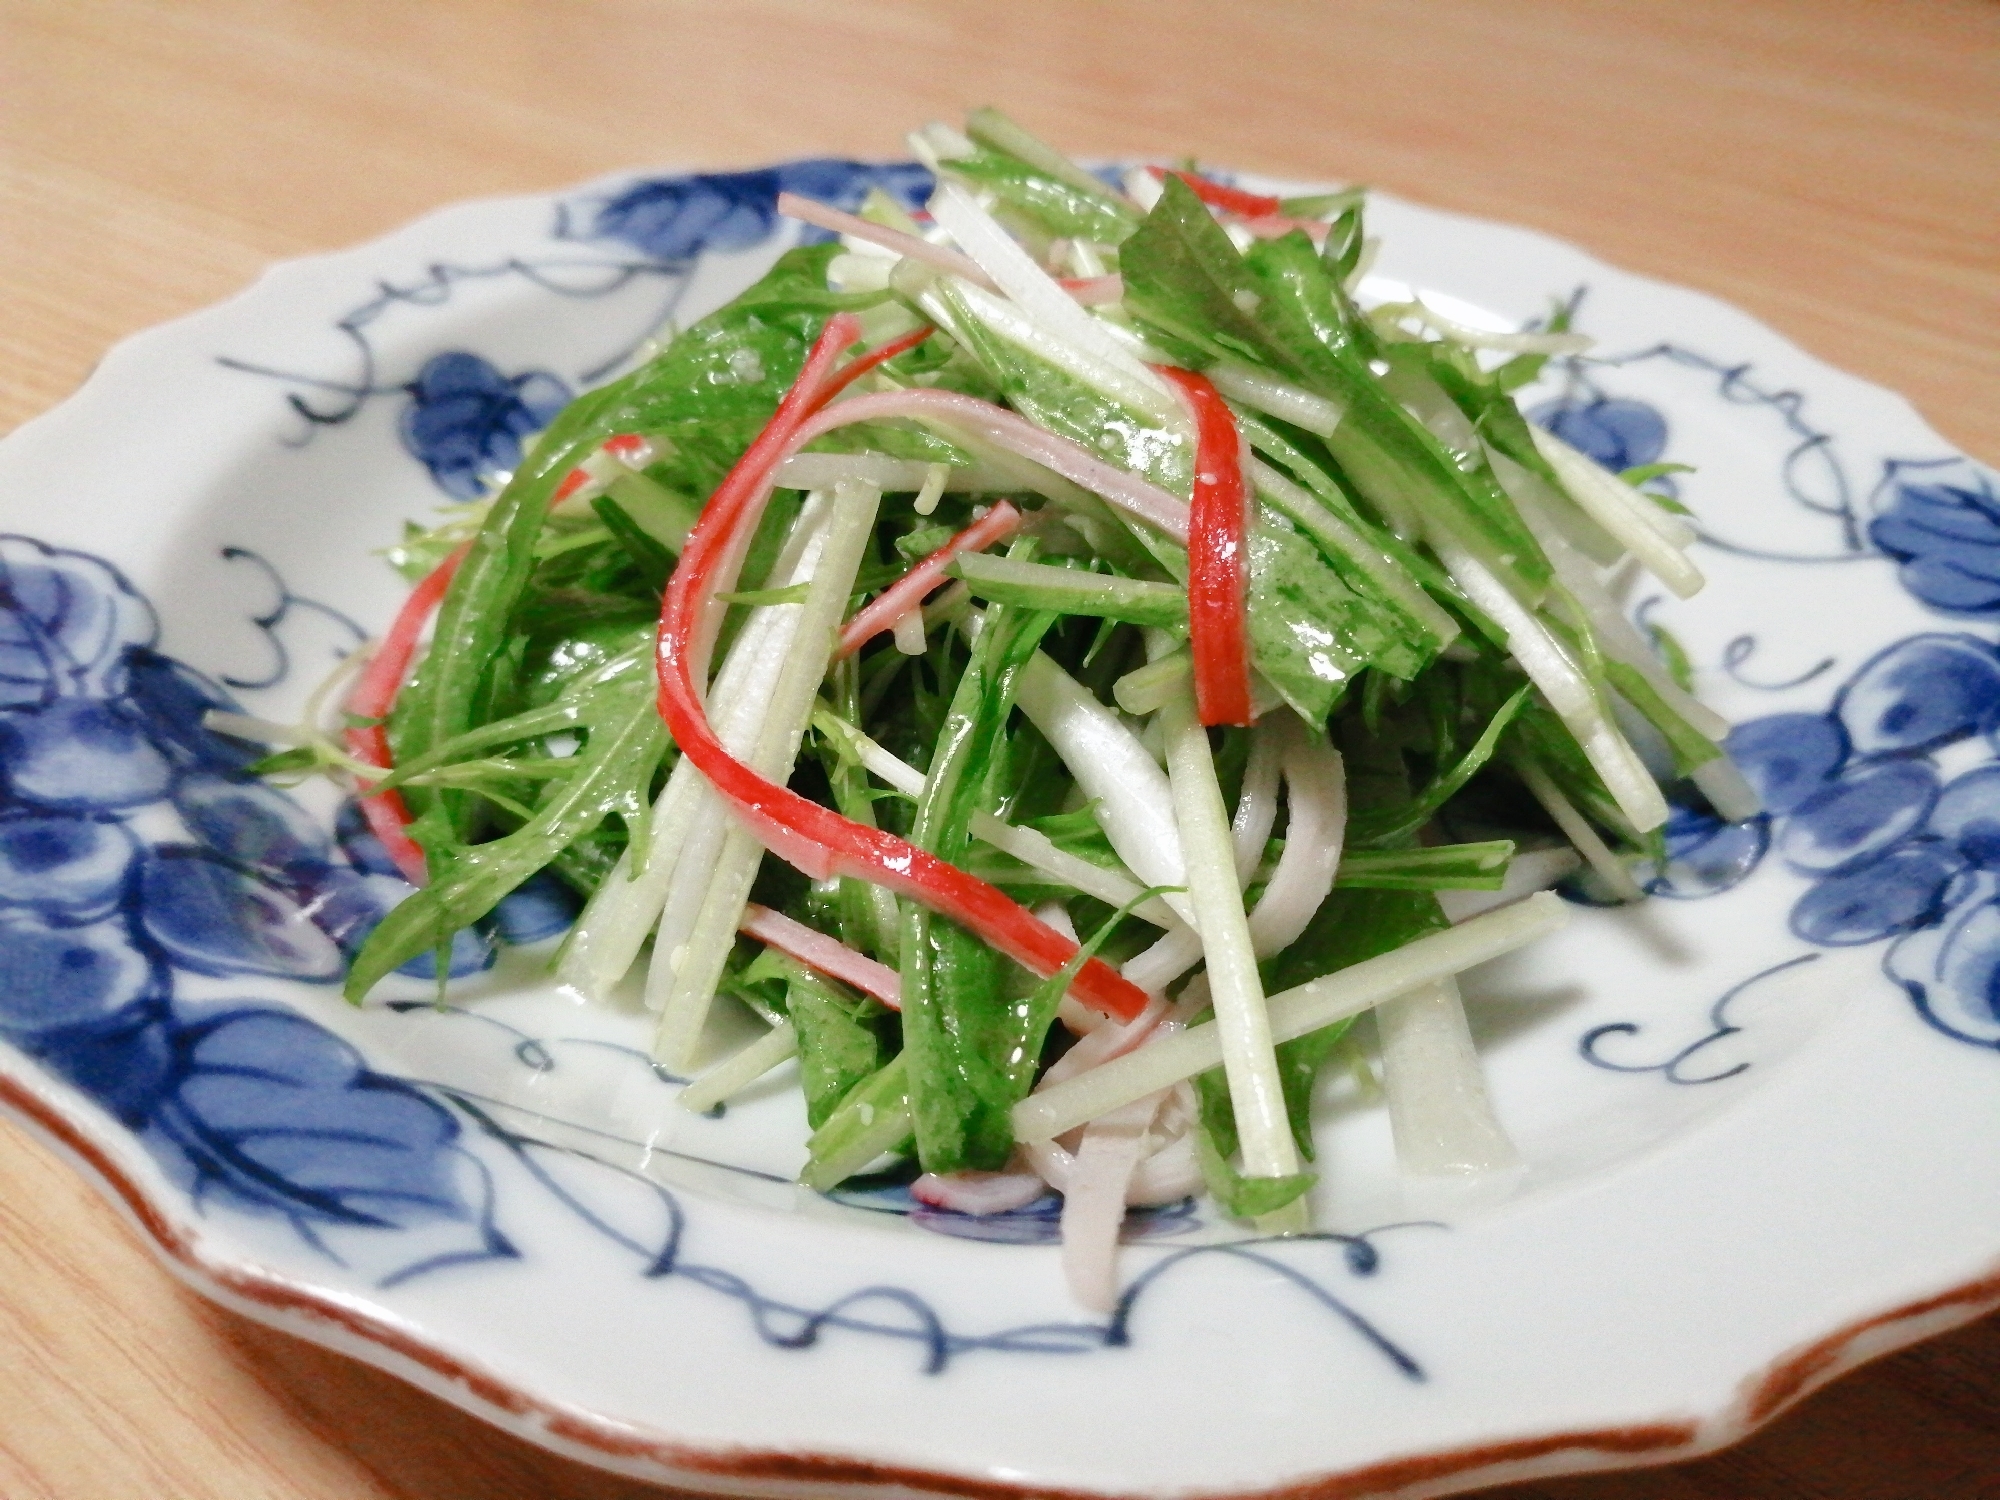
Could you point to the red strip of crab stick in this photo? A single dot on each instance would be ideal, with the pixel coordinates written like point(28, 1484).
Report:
point(1218, 562)
point(1228, 199)
point(855, 368)
point(815, 839)
point(827, 955)
point(909, 591)
point(374, 695)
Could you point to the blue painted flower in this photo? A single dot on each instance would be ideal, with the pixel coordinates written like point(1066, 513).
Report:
point(213, 916)
point(1618, 432)
point(674, 219)
point(1945, 533)
point(81, 755)
point(57, 978)
point(465, 420)
point(171, 699)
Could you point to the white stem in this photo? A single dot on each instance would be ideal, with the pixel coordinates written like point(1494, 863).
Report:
point(822, 471)
point(1014, 271)
point(1653, 536)
point(705, 822)
point(1111, 381)
point(1439, 1110)
point(1417, 311)
point(1028, 845)
point(1527, 872)
point(1733, 798)
point(1618, 637)
point(1576, 828)
point(1134, 803)
point(727, 883)
point(1275, 397)
point(1237, 993)
point(1169, 1058)
point(624, 908)
point(740, 1069)
point(1549, 667)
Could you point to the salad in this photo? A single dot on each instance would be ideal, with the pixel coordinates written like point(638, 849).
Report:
point(1059, 661)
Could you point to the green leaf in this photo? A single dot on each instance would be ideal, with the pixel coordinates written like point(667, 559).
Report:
point(1055, 204)
point(624, 741)
point(841, 1039)
point(971, 1051)
point(1245, 1197)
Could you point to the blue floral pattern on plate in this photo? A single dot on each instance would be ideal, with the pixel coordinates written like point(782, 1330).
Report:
point(1853, 797)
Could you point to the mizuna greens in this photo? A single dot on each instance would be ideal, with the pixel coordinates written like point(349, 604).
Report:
point(1120, 634)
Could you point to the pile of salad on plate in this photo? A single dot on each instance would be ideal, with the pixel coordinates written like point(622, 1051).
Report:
point(1136, 650)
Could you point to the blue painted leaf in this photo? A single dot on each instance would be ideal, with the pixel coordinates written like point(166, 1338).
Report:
point(465, 420)
point(124, 1065)
point(1922, 692)
point(1787, 757)
point(1853, 820)
point(66, 619)
point(1902, 890)
point(215, 917)
point(81, 755)
point(280, 1113)
point(1946, 535)
point(57, 978)
point(66, 867)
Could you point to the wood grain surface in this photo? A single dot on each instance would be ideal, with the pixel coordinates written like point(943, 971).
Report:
point(1833, 166)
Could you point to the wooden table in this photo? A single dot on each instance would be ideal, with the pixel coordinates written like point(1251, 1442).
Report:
point(1831, 165)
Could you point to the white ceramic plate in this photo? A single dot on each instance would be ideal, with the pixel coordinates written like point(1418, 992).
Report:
point(1758, 1113)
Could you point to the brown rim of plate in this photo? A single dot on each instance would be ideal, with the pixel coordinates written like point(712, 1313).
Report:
point(627, 1450)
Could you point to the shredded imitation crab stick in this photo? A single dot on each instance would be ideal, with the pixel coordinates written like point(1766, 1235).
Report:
point(1218, 567)
point(907, 592)
point(374, 695)
point(815, 839)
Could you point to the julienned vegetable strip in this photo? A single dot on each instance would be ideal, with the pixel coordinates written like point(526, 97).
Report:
point(374, 696)
point(1167, 1059)
point(1218, 566)
point(812, 838)
point(909, 591)
point(816, 950)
